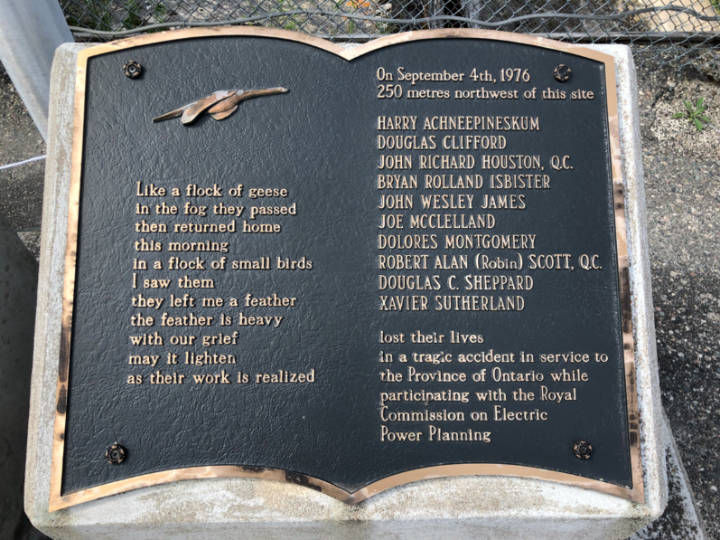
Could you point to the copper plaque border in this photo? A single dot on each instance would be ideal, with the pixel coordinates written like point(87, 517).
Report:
point(59, 501)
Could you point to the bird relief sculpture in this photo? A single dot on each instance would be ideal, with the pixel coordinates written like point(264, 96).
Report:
point(219, 105)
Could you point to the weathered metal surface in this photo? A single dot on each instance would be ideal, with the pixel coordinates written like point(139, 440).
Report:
point(319, 141)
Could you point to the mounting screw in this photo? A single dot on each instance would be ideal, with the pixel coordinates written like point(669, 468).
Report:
point(115, 454)
point(562, 73)
point(582, 449)
point(132, 69)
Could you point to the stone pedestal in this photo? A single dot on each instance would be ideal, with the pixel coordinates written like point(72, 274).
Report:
point(487, 506)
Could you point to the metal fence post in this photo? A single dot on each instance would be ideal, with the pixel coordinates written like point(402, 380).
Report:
point(30, 30)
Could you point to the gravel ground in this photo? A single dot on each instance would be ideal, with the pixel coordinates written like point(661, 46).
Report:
point(682, 182)
point(22, 187)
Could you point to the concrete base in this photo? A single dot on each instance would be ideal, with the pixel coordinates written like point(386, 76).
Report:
point(491, 507)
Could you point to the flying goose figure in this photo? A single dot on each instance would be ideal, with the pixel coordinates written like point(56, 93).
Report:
point(219, 105)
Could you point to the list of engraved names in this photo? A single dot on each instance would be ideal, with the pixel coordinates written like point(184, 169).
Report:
point(452, 190)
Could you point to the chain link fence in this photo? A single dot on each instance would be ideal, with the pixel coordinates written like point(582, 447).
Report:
point(681, 34)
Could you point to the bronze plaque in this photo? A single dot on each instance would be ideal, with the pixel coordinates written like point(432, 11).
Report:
point(350, 267)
